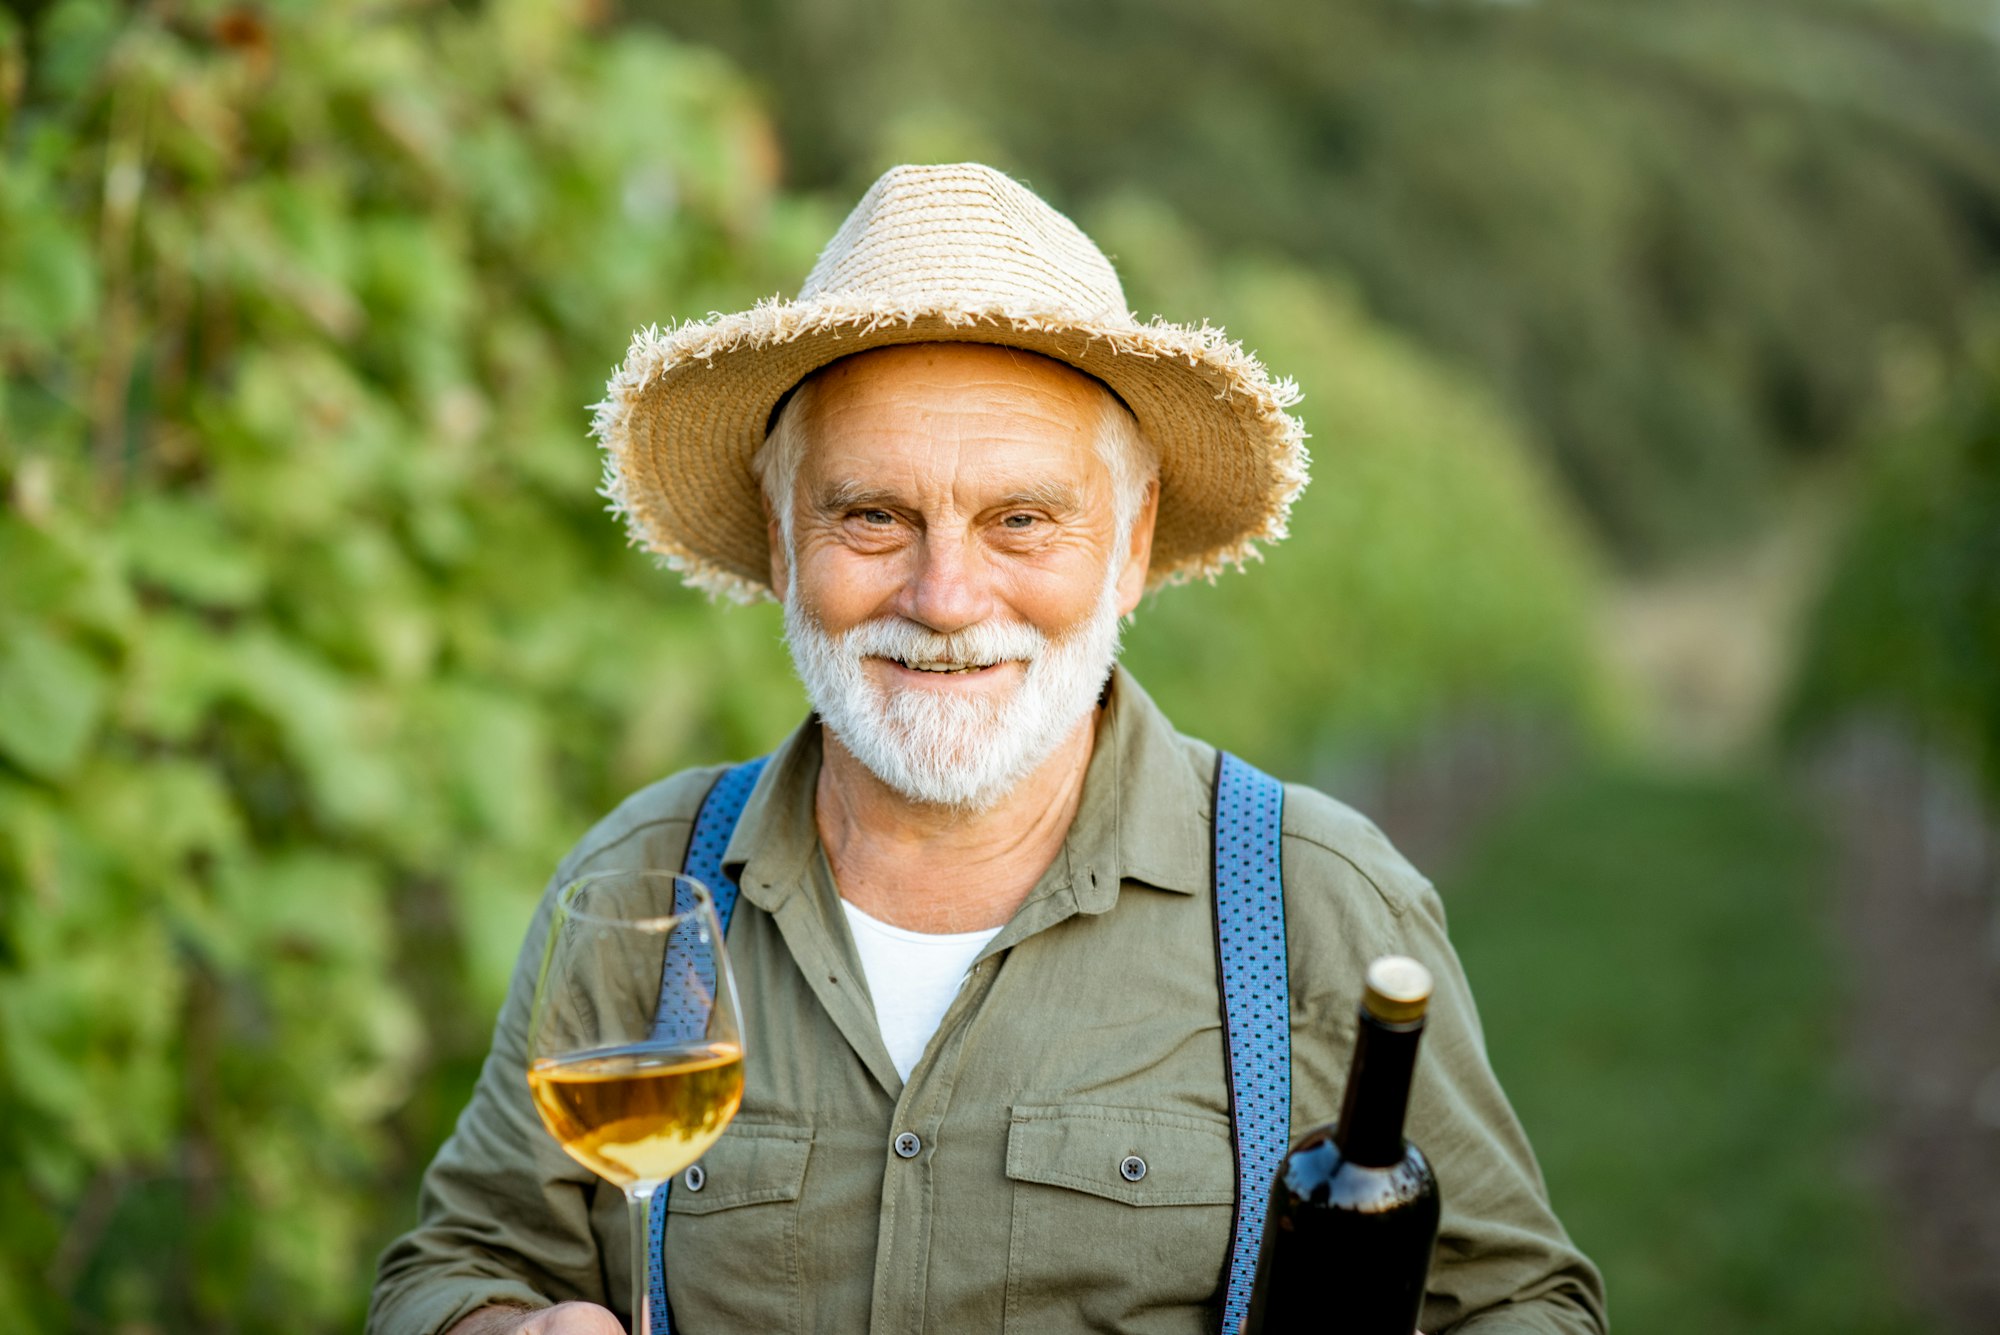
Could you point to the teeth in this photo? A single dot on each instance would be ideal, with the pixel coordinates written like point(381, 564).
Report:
point(944, 667)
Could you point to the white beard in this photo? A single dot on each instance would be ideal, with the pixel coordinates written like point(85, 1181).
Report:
point(935, 747)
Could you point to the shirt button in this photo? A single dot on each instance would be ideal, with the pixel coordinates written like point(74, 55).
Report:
point(1132, 1168)
point(695, 1178)
point(908, 1145)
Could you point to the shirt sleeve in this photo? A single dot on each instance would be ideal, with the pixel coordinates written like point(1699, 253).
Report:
point(1503, 1261)
point(504, 1215)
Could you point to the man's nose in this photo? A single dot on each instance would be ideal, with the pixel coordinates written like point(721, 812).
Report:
point(947, 589)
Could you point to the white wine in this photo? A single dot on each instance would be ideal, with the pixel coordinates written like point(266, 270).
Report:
point(640, 1113)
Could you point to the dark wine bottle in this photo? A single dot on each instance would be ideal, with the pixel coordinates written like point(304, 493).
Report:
point(1354, 1207)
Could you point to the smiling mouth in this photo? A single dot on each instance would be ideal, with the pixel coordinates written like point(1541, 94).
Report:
point(940, 667)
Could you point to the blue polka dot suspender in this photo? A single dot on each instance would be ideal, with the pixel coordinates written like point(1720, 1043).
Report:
point(713, 825)
point(1256, 1003)
point(1250, 967)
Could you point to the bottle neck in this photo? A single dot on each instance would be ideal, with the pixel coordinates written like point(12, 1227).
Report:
point(1370, 1131)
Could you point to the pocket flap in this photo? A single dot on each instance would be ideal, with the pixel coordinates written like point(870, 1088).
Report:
point(1130, 1155)
point(752, 1164)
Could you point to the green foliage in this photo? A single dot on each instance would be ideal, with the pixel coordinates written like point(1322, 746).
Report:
point(1671, 235)
point(1655, 962)
point(1909, 624)
point(316, 649)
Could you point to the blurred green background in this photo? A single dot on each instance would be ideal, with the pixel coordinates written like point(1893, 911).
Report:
point(1648, 589)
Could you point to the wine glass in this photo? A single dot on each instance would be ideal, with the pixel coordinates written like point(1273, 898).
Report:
point(635, 1052)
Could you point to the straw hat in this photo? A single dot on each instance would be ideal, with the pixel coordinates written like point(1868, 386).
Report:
point(955, 253)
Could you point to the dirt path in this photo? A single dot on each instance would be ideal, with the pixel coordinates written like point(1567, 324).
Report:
point(1919, 880)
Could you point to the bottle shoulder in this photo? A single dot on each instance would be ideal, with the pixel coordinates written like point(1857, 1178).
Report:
point(1317, 1176)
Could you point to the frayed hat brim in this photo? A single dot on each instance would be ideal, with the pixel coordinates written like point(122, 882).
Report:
point(684, 415)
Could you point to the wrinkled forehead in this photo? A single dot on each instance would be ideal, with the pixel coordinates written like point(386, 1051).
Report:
point(962, 410)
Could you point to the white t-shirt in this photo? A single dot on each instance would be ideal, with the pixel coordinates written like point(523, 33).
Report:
point(913, 977)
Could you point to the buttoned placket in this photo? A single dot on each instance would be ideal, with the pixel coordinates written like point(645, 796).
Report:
point(903, 1232)
point(827, 959)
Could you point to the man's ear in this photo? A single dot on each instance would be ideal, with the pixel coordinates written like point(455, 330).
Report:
point(1139, 552)
point(781, 566)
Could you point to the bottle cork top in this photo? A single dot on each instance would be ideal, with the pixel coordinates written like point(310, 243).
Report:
point(1398, 989)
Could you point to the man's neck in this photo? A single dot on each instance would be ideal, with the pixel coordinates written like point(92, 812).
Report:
point(935, 869)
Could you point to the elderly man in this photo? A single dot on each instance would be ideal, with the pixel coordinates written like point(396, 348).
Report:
point(996, 1077)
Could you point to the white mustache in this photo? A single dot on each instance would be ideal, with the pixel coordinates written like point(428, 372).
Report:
point(980, 645)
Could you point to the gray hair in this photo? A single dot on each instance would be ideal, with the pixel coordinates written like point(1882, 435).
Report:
point(1134, 463)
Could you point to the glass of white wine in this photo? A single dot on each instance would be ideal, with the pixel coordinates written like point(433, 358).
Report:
point(635, 1050)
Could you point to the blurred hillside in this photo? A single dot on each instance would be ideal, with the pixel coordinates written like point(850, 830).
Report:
point(1679, 238)
point(317, 647)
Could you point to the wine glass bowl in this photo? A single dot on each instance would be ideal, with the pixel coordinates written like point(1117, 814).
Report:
point(641, 1114)
point(635, 1049)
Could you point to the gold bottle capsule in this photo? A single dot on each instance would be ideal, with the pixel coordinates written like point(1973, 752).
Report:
point(1398, 989)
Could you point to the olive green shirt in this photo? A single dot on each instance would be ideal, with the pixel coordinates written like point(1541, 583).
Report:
point(1088, 1030)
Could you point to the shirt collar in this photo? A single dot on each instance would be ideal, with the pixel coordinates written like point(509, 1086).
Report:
point(770, 850)
point(1145, 807)
point(1144, 814)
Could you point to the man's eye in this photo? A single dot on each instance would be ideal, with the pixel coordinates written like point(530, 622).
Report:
point(877, 517)
point(1019, 522)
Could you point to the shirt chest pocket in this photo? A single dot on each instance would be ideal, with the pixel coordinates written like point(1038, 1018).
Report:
point(732, 1244)
point(1121, 1218)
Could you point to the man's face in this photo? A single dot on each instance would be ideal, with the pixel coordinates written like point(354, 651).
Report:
point(957, 572)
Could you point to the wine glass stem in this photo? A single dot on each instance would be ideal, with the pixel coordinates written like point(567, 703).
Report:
point(639, 1200)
